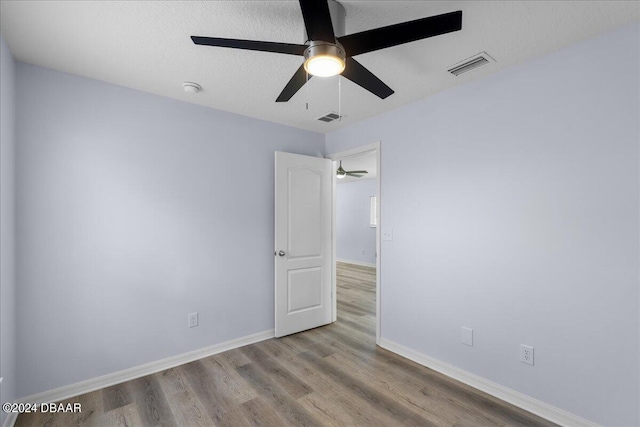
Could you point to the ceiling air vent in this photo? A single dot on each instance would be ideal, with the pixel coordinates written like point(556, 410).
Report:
point(329, 117)
point(471, 63)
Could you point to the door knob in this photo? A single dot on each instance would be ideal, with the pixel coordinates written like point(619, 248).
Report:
point(281, 253)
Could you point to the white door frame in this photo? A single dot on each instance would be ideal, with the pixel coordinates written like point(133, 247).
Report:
point(341, 156)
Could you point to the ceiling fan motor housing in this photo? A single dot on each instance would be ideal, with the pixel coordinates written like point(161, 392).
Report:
point(324, 49)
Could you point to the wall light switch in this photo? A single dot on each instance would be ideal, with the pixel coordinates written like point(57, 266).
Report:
point(466, 334)
point(387, 234)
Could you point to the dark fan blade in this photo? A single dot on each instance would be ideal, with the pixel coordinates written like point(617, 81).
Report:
point(357, 172)
point(355, 72)
point(354, 174)
point(288, 48)
point(317, 20)
point(297, 81)
point(405, 32)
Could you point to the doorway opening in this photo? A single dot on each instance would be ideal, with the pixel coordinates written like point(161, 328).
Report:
point(356, 240)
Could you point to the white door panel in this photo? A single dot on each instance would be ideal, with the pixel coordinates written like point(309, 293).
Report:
point(303, 242)
point(304, 287)
point(305, 212)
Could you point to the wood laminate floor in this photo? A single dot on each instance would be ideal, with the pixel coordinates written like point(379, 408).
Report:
point(330, 376)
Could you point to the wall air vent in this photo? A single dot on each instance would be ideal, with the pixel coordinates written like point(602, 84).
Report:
point(329, 117)
point(471, 63)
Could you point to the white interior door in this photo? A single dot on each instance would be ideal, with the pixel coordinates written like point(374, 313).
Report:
point(303, 242)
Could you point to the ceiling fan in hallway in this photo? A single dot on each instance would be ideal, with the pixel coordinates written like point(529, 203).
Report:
point(341, 173)
point(329, 52)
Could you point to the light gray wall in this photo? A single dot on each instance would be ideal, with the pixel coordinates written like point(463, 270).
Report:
point(134, 210)
point(355, 240)
point(7, 240)
point(514, 204)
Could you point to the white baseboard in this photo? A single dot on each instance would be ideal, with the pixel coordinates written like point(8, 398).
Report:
point(114, 378)
point(544, 410)
point(364, 264)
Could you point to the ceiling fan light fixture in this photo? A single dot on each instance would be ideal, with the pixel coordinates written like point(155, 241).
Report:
point(340, 172)
point(324, 59)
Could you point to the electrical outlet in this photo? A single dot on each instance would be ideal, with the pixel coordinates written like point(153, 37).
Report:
point(526, 354)
point(387, 234)
point(193, 320)
point(466, 336)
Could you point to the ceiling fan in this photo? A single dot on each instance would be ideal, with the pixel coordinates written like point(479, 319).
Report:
point(341, 173)
point(329, 52)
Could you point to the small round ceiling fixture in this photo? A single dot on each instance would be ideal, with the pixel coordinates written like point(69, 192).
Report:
point(191, 87)
point(324, 59)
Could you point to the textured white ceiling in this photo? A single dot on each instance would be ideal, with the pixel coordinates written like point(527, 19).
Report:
point(145, 45)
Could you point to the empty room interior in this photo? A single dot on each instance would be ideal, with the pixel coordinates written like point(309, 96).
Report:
point(320, 213)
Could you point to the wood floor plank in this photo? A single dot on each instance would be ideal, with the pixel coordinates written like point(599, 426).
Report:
point(232, 418)
point(329, 410)
point(184, 403)
point(92, 407)
point(341, 397)
point(123, 416)
point(215, 399)
point(258, 413)
point(151, 402)
point(116, 396)
point(277, 397)
point(228, 378)
point(354, 324)
point(375, 398)
point(233, 358)
point(334, 375)
point(404, 394)
point(278, 373)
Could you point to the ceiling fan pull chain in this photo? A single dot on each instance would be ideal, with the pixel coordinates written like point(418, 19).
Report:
point(307, 85)
point(339, 99)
